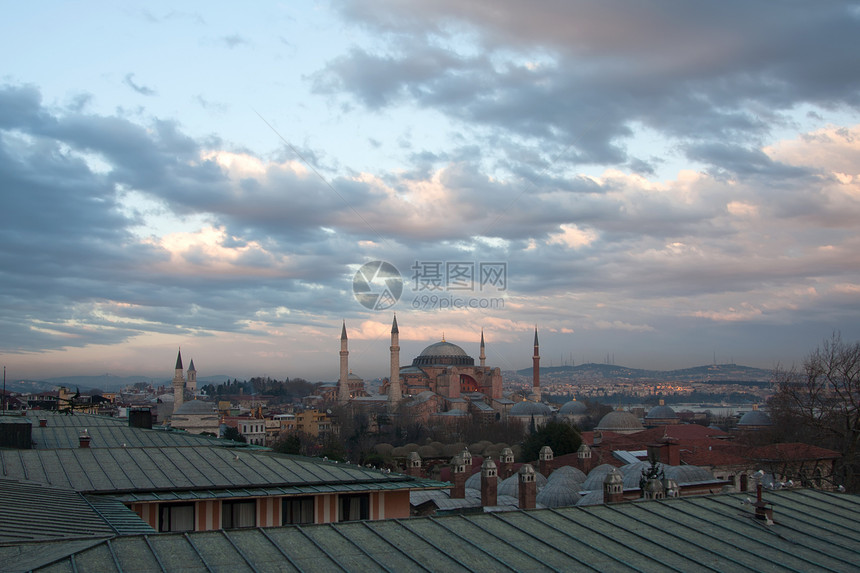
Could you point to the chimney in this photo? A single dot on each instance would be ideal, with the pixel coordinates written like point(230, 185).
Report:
point(545, 461)
point(527, 487)
point(583, 455)
point(413, 465)
point(140, 417)
point(762, 511)
point(489, 484)
point(43, 422)
point(84, 440)
point(613, 487)
point(598, 437)
point(458, 477)
point(506, 463)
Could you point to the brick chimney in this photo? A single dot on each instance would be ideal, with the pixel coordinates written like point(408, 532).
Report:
point(43, 422)
point(84, 440)
point(506, 463)
point(545, 461)
point(489, 483)
point(762, 511)
point(458, 477)
point(667, 452)
point(613, 487)
point(413, 465)
point(527, 487)
point(583, 456)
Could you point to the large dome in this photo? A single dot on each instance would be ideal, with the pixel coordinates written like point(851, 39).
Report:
point(661, 412)
point(527, 408)
point(621, 422)
point(573, 408)
point(445, 354)
point(754, 418)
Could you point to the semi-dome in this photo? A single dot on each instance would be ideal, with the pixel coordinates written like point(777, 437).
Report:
point(195, 408)
point(573, 408)
point(445, 354)
point(527, 408)
point(620, 422)
point(754, 418)
point(661, 412)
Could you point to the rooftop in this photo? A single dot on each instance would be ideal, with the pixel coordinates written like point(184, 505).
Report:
point(812, 530)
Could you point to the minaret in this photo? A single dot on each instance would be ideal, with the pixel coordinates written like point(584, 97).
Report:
point(343, 381)
point(394, 392)
point(536, 371)
point(483, 356)
point(178, 383)
point(191, 382)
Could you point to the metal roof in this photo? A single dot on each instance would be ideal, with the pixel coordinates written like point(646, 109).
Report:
point(170, 469)
point(813, 530)
point(63, 431)
point(30, 512)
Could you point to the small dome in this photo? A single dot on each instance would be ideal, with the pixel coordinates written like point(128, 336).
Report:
point(754, 418)
point(474, 481)
point(413, 456)
point(618, 421)
point(195, 408)
point(527, 408)
point(568, 476)
point(511, 486)
point(558, 495)
point(573, 408)
point(595, 477)
point(661, 413)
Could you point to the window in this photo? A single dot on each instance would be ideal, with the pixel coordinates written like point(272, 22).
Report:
point(177, 517)
point(298, 510)
point(354, 507)
point(238, 514)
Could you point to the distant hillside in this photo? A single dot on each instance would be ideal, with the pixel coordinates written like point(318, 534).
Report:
point(106, 382)
point(715, 372)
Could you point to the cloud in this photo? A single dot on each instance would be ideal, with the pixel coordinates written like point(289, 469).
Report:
point(233, 40)
point(141, 89)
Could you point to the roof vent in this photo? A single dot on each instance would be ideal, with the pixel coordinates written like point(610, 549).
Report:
point(43, 422)
point(84, 439)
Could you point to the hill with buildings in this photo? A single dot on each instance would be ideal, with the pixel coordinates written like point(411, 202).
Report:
point(709, 373)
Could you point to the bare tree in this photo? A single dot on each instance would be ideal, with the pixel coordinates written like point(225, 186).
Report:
point(820, 403)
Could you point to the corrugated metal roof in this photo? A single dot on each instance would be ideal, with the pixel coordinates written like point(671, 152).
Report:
point(63, 431)
point(813, 530)
point(169, 469)
point(36, 512)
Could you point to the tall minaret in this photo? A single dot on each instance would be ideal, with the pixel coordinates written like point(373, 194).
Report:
point(343, 381)
point(394, 392)
point(178, 383)
point(536, 370)
point(191, 382)
point(483, 356)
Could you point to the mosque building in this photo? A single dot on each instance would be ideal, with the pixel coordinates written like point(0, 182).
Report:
point(443, 380)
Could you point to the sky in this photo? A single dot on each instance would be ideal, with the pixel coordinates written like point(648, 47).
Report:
point(657, 184)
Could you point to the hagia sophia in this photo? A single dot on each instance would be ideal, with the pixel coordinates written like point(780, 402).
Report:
point(442, 381)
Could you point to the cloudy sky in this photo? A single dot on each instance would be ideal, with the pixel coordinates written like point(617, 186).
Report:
point(666, 183)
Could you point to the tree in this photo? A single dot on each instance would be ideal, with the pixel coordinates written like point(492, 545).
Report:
point(232, 433)
point(560, 436)
point(819, 404)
